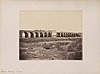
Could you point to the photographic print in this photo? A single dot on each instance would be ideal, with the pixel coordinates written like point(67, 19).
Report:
point(50, 35)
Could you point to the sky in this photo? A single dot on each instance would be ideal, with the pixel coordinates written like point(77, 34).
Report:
point(59, 20)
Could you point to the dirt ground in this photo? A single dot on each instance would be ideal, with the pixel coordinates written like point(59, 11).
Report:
point(55, 49)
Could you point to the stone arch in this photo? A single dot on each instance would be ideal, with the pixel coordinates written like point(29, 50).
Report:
point(77, 35)
point(36, 34)
point(69, 34)
point(29, 34)
point(73, 34)
point(64, 34)
point(58, 34)
point(45, 34)
point(61, 34)
point(32, 35)
point(25, 35)
point(41, 34)
point(49, 34)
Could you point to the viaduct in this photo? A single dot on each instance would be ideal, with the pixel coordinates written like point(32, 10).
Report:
point(49, 33)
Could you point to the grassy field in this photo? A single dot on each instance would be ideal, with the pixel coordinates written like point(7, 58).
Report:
point(50, 48)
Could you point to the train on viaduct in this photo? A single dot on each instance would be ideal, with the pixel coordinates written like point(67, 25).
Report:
point(44, 33)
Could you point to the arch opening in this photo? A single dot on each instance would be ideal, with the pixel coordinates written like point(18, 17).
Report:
point(41, 34)
point(49, 34)
point(36, 34)
point(25, 34)
point(61, 34)
point(32, 35)
point(45, 34)
point(58, 34)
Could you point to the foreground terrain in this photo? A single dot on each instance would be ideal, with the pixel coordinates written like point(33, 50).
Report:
point(50, 48)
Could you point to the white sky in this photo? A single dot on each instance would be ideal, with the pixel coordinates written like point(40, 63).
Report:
point(59, 20)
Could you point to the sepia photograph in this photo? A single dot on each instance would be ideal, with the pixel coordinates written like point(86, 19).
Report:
point(50, 35)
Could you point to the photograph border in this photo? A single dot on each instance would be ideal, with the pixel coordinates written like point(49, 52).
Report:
point(10, 35)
